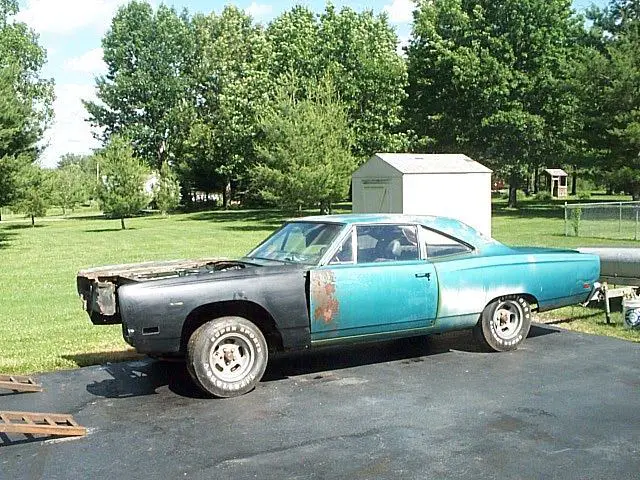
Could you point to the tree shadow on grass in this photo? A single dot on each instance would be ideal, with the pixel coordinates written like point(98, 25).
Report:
point(114, 229)
point(23, 226)
point(599, 237)
point(266, 215)
point(263, 227)
point(538, 210)
point(5, 238)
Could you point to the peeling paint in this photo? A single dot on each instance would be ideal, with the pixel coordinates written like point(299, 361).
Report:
point(323, 294)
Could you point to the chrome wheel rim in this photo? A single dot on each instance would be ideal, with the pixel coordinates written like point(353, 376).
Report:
point(231, 357)
point(507, 319)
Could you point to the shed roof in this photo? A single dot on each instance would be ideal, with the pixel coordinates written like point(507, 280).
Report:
point(432, 163)
point(556, 172)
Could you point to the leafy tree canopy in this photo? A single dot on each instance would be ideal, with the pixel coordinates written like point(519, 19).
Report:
point(25, 99)
point(358, 51)
point(493, 84)
point(144, 93)
point(305, 153)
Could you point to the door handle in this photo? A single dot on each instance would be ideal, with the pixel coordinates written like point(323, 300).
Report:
point(424, 275)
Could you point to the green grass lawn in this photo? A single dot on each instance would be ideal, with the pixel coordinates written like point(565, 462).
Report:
point(41, 319)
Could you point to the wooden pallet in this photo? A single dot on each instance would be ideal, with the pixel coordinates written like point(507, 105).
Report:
point(30, 423)
point(18, 383)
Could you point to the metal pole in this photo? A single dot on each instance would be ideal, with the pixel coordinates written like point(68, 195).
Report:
point(620, 219)
point(607, 307)
point(566, 224)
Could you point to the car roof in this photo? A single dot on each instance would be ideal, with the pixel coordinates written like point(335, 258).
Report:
point(449, 226)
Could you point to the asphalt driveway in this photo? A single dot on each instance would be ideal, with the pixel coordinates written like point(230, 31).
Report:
point(565, 405)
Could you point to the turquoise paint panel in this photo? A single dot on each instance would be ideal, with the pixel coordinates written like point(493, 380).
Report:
point(554, 278)
point(353, 299)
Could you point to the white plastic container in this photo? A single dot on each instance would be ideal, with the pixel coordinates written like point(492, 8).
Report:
point(631, 313)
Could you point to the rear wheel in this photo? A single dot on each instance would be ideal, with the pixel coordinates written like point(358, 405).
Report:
point(227, 356)
point(504, 323)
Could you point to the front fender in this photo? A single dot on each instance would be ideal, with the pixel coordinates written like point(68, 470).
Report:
point(155, 313)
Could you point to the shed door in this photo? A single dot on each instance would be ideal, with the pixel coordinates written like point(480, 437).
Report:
point(376, 198)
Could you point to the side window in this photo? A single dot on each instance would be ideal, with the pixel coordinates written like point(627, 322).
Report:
point(386, 243)
point(345, 252)
point(439, 245)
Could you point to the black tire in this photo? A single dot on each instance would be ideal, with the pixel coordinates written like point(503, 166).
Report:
point(227, 356)
point(504, 323)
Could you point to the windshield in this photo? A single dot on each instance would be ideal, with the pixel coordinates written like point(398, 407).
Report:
point(298, 242)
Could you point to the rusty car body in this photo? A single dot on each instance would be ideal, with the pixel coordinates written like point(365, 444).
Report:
point(328, 279)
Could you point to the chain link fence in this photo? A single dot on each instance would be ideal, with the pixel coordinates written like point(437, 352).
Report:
point(617, 220)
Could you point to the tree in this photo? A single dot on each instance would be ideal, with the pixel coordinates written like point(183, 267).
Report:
point(358, 51)
point(491, 84)
point(145, 92)
point(19, 50)
point(609, 77)
point(167, 190)
point(86, 163)
point(230, 86)
point(17, 140)
point(25, 99)
point(121, 190)
point(34, 192)
point(71, 186)
point(618, 17)
point(305, 152)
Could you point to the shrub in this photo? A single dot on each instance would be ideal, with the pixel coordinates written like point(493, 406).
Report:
point(584, 195)
point(576, 215)
point(543, 196)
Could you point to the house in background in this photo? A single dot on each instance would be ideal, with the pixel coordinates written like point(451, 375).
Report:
point(556, 182)
point(450, 185)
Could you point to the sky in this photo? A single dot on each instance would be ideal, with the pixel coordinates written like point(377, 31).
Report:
point(71, 31)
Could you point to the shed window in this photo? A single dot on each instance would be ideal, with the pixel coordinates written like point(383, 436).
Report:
point(439, 245)
point(386, 243)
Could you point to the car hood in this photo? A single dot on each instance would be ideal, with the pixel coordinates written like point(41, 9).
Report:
point(228, 271)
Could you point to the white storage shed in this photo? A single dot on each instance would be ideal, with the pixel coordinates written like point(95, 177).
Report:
point(451, 185)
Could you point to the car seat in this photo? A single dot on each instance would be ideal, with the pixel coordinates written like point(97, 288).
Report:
point(394, 250)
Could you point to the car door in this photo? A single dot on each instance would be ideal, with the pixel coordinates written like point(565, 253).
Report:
point(375, 283)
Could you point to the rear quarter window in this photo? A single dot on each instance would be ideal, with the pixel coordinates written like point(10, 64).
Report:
point(437, 244)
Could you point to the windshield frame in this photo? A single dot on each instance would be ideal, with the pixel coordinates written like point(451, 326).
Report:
point(253, 254)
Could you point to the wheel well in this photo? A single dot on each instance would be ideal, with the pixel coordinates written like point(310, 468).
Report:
point(533, 301)
point(241, 308)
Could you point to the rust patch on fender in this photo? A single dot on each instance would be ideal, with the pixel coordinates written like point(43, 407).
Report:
point(323, 290)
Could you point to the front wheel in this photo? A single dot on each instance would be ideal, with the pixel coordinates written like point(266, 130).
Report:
point(227, 356)
point(504, 323)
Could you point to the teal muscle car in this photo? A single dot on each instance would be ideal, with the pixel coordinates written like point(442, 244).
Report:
point(334, 279)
